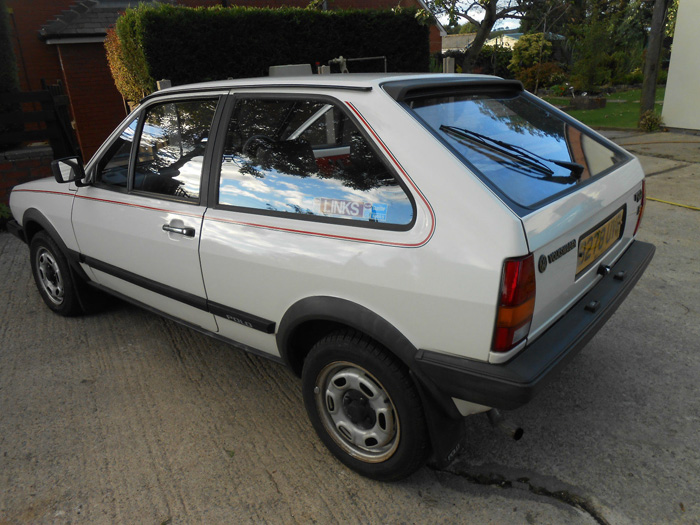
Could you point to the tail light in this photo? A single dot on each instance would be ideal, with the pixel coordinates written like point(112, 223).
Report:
point(516, 304)
point(641, 198)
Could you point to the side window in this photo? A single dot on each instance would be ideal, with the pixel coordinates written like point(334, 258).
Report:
point(307, 157)
point(113, 167)
point(171, 148)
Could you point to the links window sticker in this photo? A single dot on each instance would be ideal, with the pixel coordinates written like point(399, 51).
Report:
point(350, 209)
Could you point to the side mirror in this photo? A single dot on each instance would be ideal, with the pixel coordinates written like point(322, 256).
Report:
point(69, 169)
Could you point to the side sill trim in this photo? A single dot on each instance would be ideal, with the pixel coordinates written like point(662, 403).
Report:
point(182, 322)
point(237, 316)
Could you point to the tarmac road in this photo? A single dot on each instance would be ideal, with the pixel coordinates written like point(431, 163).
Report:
point(123, 417)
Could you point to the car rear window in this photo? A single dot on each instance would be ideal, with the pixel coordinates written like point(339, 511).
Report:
point(519, 146)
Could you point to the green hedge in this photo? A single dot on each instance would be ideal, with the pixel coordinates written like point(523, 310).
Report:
point(198, 44)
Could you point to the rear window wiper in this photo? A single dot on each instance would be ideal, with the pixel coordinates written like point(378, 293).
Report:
point(530, 159)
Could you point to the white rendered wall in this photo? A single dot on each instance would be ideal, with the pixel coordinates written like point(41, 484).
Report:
point(682, 103)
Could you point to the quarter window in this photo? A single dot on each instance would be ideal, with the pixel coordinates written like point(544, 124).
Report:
point(113, 168)
point(307, 158)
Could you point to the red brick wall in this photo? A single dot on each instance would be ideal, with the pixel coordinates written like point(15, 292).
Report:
point(96, 104)
point(21, 166)
point(40, 60)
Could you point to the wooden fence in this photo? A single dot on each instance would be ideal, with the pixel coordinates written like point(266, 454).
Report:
point(50, 123)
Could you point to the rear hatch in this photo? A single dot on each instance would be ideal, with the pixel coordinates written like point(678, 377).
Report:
point(578, 195)
point(576, 238)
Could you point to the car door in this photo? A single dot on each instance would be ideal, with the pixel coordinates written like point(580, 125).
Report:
point(138, 223)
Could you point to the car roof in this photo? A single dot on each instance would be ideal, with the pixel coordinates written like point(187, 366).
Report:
point(348, 81)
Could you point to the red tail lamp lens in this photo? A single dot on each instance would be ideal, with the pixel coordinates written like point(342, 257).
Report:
point(517, 303)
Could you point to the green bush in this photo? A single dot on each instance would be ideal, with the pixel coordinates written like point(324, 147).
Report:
point(188, 45)
point(492, 60)
point(541, 76)
point(529, 51)
point(650, 121)
point(663, 77)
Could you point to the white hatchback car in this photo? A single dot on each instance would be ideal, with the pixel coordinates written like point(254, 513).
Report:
point(417, 247)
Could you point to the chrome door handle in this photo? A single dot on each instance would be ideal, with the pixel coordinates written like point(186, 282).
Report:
point(186, 231)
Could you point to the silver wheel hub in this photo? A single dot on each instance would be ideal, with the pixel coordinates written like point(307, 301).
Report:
point(50, 275)
point(357, 412)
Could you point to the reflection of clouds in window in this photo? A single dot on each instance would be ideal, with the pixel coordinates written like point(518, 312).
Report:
point(276, 192)
point(277, 158)
point(190, 175)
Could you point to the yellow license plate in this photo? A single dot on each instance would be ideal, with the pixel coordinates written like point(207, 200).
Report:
point(594, 244)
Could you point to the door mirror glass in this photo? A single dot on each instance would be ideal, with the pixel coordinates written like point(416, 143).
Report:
point(69, 169)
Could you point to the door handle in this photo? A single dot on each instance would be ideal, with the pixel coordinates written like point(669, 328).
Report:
point(186, 231)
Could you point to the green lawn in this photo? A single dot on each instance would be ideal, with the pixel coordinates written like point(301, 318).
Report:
point(615, 114)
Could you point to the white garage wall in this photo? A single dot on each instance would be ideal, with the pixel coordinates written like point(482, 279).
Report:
point(682, 100)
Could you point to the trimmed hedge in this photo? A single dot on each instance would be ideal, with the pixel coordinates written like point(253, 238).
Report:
point(189, 45)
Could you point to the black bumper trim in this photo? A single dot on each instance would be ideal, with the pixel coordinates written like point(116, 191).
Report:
point(15, 229)
point(514, 383)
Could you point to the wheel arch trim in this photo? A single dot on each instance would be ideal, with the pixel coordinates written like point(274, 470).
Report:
point(334, 310)
point(32, 215)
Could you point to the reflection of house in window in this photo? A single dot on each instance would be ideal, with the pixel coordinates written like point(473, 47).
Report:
point(591, 154)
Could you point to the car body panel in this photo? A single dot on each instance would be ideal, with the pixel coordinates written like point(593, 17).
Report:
point(139, 245)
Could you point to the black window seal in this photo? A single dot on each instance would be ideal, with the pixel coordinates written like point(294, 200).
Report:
point(213, 197)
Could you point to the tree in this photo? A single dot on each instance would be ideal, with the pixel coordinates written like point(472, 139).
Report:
point(651, 64)
point(490, 11)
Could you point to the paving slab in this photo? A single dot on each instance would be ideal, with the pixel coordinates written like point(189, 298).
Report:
point(125, 417)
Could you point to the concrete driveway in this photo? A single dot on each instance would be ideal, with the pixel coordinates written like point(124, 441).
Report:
point(123, 417)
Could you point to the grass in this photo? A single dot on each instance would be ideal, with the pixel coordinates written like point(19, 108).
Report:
point(623, 114)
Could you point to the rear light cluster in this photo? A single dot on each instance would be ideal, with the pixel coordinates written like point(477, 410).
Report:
point(642, 202)
point(516, 304)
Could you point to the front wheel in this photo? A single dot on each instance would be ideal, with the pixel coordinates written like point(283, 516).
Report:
point(364, 406)
point(53, 276)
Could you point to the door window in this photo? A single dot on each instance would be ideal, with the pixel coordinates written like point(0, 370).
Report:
point(171, 148)
point(170, 152)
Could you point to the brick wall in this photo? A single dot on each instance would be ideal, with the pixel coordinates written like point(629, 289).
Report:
point(35, 60)
point(23, 165)
point(96, 104)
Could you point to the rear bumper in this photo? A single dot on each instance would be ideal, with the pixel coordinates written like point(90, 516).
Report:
point(15, 229)
point(514, 383)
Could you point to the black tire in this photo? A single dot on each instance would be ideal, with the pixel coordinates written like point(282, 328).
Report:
point(364, 406)
point(53, 276)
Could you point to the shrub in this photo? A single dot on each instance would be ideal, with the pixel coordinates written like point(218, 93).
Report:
point(541, 76)
point(663, 77)
point(492, 60)
point(529, 51)
point(634, 77)
point(650, 121)
point(193, 45)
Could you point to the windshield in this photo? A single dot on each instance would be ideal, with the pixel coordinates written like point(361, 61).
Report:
point(520, 147)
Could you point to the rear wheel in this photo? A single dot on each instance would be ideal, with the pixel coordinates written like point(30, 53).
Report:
point(53, 276)
point(364, 406)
